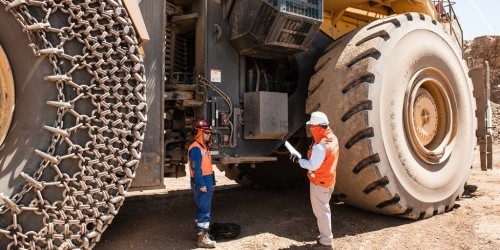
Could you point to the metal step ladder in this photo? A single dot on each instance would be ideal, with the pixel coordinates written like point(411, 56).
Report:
point(481, 79)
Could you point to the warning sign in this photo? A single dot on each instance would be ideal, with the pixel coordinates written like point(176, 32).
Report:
point(215, 75)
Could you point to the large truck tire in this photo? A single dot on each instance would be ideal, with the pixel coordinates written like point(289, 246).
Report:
point(77, 125)
point(400, 101)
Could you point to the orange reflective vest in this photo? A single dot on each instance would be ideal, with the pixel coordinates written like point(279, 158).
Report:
point(325, 175)
point(206, 160)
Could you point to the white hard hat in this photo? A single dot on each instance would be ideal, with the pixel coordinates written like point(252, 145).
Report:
point(318, 118)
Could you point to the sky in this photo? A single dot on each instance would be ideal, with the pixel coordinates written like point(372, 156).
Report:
point(478, 17)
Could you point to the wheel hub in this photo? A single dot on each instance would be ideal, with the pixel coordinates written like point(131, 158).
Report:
point(425, 117)
point(430, 116)
point(7, 96)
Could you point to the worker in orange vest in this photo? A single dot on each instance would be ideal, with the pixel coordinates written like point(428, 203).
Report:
point(202, 181)
point(321, 164)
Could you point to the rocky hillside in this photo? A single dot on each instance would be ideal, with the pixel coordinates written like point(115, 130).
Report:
point(487, 48)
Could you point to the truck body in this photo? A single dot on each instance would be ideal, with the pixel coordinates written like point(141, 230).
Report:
point(102, 96)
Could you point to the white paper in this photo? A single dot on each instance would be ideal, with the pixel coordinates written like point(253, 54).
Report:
point(292, 149)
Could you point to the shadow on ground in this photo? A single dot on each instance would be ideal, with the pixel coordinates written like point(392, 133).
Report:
point(166, 221)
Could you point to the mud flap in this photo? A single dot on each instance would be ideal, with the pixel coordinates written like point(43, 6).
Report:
point(481, 79)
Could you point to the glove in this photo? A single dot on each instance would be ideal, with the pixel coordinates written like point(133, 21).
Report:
point(294, 158)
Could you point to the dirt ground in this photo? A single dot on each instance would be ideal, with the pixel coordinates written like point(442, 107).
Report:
point(283, 219)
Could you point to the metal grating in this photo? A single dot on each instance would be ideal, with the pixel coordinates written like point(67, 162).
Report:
point(293, 32)
point(266, 29)
point(308, 8)
point(264, 20)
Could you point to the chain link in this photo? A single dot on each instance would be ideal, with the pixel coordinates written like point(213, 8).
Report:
point(100, 120)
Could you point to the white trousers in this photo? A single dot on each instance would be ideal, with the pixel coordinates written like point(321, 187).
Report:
point(320, 202)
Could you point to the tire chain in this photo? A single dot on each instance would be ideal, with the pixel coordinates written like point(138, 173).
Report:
point(92, 195)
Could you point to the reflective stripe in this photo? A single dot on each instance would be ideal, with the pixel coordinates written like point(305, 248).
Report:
point(203, 225)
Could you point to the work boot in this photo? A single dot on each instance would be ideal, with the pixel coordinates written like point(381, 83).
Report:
point(319, 246)
point(204, 241)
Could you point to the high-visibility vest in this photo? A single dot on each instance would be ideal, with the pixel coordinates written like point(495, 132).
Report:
point(206, 160)
point(325, 175)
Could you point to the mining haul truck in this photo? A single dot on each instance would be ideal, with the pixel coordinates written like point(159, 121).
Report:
point(99, 96)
